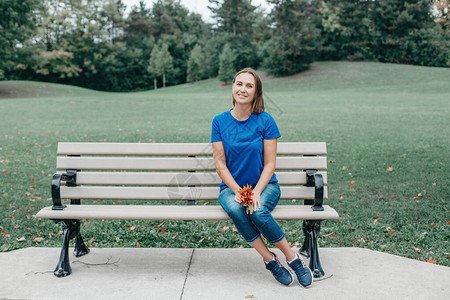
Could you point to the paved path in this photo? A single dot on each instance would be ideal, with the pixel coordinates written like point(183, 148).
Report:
point(214, 274)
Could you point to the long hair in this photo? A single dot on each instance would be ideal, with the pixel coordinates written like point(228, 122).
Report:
point(258, 101)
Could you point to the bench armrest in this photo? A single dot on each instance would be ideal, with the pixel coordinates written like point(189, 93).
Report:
point(314, 179)
point(70, 177)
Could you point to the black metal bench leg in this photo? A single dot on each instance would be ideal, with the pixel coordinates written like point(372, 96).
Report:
point(80, 246)
point(63, 268)
point(313, 229)
point(306, 251)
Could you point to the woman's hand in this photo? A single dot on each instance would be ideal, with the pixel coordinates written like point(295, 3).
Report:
point(237, 196)
point(256, 201)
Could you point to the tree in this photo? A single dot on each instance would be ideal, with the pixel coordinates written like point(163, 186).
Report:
point(294, 43)
point(234, 16)
point(226, 64)
point(405, 32)
point(161, 62)
point(195, 69)
point(17, 26)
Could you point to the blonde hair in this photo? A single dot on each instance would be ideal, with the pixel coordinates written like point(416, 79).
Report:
point(258, 101)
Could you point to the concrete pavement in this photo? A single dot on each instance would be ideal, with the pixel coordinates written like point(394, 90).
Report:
point(127, 273)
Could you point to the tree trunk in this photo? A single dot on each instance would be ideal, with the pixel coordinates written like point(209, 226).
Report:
point(155, 83)
point(164, 79)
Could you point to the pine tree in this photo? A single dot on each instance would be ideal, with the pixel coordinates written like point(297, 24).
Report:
point(195, 70)
point(226, 64)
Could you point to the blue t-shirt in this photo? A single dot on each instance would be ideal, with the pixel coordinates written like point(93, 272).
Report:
point(243, 144)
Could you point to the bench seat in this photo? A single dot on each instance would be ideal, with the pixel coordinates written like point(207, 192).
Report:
point(177, 212)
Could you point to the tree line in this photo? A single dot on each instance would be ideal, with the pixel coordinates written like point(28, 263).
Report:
point(94, 44)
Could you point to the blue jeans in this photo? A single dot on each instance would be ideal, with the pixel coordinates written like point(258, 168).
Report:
point(250, 226)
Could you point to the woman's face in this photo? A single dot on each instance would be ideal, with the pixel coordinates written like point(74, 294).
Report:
point(244, 88)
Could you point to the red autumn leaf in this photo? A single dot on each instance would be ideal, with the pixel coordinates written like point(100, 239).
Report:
point(91, 240)
point(132, 228)
point(350, 228)
point(175, 235)
point(202, 239)
point(352, 182)
point(138, 245)
point(6, 234)
point(431, 261)
point(448, 222)
point(376, 220)
point(33, 186)
point(163, 230)
point(434, 226)
point(159, 225)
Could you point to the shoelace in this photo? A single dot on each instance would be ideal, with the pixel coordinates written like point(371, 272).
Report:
point(298, 267)
point(276, 271)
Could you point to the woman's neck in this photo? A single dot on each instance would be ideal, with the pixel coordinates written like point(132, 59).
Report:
point(241, 113)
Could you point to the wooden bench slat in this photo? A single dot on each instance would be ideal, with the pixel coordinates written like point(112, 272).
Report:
point(169, 193)
point(284, 148)
point(174, 178)
point(176, 212)
point(175, 163)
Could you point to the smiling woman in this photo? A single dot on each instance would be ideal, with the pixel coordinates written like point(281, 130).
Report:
point(244, 142)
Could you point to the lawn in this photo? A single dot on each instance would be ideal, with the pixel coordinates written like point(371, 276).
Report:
point(386, 126)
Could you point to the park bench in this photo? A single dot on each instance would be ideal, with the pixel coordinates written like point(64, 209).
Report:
point(174, 172)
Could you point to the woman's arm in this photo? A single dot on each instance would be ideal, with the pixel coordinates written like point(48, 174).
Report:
point(270, 156)
point(222, 169)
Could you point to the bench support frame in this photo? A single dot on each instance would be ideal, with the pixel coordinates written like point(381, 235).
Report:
point(71, 229)
point(311, 230)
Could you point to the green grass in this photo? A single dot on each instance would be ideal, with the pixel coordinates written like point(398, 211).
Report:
point(372, 116)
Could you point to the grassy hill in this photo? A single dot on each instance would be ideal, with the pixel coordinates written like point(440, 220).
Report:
point(386, 127)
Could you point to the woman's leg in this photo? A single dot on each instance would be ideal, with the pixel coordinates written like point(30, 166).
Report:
point(262, 249)
point(239, 216)
point(283, 245)
point(263, 219)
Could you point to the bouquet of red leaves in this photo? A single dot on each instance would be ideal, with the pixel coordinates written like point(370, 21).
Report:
point(246, 198)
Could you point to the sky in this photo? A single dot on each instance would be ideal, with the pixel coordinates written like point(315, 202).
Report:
point(198, 6)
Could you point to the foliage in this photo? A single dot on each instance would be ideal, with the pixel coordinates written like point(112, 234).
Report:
point(292, 47)
point(195, 69)
point(17, 26)
point(226, 64)
point(161, 62)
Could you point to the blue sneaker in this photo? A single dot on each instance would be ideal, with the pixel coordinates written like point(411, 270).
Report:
point(304, 274)
point(281, 274)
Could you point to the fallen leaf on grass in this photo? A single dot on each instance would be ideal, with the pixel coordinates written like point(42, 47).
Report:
point(390, 169)
point(417, 250)
point(132, 228)
point(431, 261)
point(6, 234)
point(376, 220)
point(225, 228)
point(37, 239)
point(22, 239)
point(159, 225)
point(390, 231)
point(352, 182)
point(163, 230)
point(448, 222)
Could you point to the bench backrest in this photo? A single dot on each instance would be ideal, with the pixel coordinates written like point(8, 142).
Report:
point(173, 171)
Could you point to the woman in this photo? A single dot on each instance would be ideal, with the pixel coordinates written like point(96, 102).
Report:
point(244, 142)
